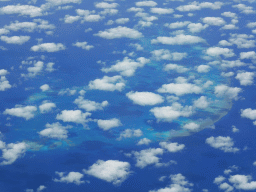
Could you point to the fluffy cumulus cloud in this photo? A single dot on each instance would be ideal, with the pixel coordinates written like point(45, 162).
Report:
point(71, 177)
point(83, 45)
point(146, 4)
point(147, 157)
point(48, 47)
point(15, 39)
point(195, 6)
point(144, 141)
point(170, 113)
point(203, 68)
point(108, 83)
point(191, 126)
point(201, 103)
point(172, 147)
point(196, 27)
point(164, 54)
point(245, 78)
point(109, 123)
point(218, 21)
point(12, 151)
point(26, 112)
point(89, 105)
point(4, 83)
point(175, 67)
point(179, 184)
point(29, 10)
point(46, 107)
point(45, 87)
point(178, 40)
point(128, 133)
point(74, 116)
point(226, 91)
point(217, 51)
point(55, 131)
point(249, 113)
point(105, 5)
point(180, 89)
point(242, 40)
point(112, 171)
point(243, 182)
point(145, 98)
point(178, 24)
point(161, 11)
point(223, 143)
point(248, 55)
point(120, 32)
point(127, 67)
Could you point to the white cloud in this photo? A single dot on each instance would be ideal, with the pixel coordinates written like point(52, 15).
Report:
point(55, 131)
point(191, 126)
point(226, 187)
point(74, 116)
point(127, 67)
point(217, 51)
point(146, 4)
point(194, 6)
point(196, 27)
point(203, 68)
point(48, 47)
point(112, 171)
point(228, 74)
point(218, 180)
point(144, 141)
point(175, 67)
point(172, 147)
point(178, 40)
point(201, 103)
point(161, 11)
point(108, 83)
point(229, 27)
point(37, 68)
point(105, 5)
point(170, 113)
point(120, 32)
point(12, 151)
point(61, 2)
point(27, 112)
point(218, 21)
point(251, 25)
point(71, 177)
point(4, 83)
point(244, 9)
point(40, 188)
point(180, 89)
point(15, 39)
point(178, 24)
point(83, 45)
point(229, 14)
point(109, 124)
point(30, 10)
point(49, 67)
point(164, 54)
point(234, 129)
point(71, 19)
point(225, 91)
point(248, 55)
point(90, 105)
point(245, 78)
point(128, 133)
point(147, 157)
point(230, 64)
point(223, 143)
point(45, 87)
point(225, 43)
point(145, 98)
point(242, 40)
point(122, 20)
point(242, 182)
point(248, 113)
point(46, 107)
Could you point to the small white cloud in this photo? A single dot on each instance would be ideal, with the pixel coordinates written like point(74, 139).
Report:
point(225, 91)
point(164, 54)
point(178, 40)
point(245, 78)
point(242, 182)
point(201, 103)
point(108, 83)
point(74, 116)
point(45, 87)
point(128, 133)
point(105, 5)
point(15, 39)
point(27, 112)
point(234, 129)
point(146, 4)
point(120, 32)
point(112, 171)
point(71, 177)
point(223, 143)
point(248, 55)
point(83, 45)
point(48, 47)
point(172, 147)
point(46, 107)
point(248, 113)
point(196, 27)
point(90, 105)
point(203, 68)
point(55, 131)
point(145, 98)
point(191, 126)
point(217, 51)
point(30, 10)
point(218, 21)
point(161, 11)
point(175, 67)
point(144, 141)
point(122, 20)
point(109, 124)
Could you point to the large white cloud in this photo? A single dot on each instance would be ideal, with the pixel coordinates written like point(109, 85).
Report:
point(243, 182)
point(127, 67)
point(112, 171)
point(195, 6)
point(120, 32)
point(178, 40)
point(48, 47)
point(105, 5)
point(214, 21)
point(170, 113)
point(108, 83)
point(248, 113)
point(15, 39)
point(172, 147)
point(30, 10)
point(145, 98)
point(242, 40)
point(245, 78)
point(55, 131)
point(226, 91)
point(27, 112)
point(90, 105)
point(180, 89)
point(71, 177)
point(109, 123)
point(223, 143)
point(217, 51)
point(74, 116)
